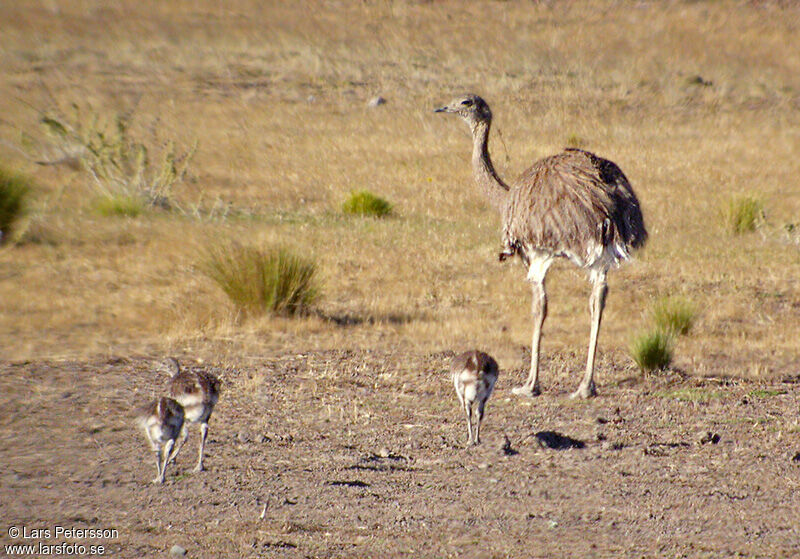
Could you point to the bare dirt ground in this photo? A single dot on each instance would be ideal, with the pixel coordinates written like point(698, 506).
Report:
point(361, 454)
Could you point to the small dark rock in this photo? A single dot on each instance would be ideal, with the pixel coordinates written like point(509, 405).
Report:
point(796, 457)
point(506, 448)
point(705, 437)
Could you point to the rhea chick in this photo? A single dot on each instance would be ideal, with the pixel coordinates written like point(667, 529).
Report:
point(474, 374)
point(197, 391)
point(162, 421)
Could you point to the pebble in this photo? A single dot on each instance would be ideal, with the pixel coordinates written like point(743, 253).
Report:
point(177, 551)
point(704, 437)
point(376, 101)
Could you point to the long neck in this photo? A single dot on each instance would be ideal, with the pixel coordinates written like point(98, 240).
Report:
point(483, 170)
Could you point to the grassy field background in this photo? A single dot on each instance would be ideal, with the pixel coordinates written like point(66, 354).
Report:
point(696, 101)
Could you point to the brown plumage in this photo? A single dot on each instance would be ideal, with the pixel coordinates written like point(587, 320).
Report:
point(474, 374)
point(197, 391)
point(162, 421)
point(572, 205)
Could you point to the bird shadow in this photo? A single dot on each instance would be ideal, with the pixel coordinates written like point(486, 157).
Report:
point(557, 441)
point(346, 320)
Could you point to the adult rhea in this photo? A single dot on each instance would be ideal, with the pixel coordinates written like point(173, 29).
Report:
point(572, 205)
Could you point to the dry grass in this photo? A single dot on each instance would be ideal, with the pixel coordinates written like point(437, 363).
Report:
point(276, 94)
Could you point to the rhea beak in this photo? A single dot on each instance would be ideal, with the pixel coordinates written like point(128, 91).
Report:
point(441, 110)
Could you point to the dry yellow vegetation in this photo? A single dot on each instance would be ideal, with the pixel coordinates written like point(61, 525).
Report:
point(696, 101)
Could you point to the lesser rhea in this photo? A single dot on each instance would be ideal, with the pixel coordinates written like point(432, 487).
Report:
point(572, 205)
point(197, 391)
point(162, 421)
point(474, 374)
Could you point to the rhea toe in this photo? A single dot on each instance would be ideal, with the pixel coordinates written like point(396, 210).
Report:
point(474, 375)
point(197, 391)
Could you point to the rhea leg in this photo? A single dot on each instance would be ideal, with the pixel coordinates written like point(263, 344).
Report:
point(179, 446)
point(481, 405)
point(468, 415)
point(163, 468)
point(159, 476)
point(597, 303)
point(536, 275)
point(203, 435)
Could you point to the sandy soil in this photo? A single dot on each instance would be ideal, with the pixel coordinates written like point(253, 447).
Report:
point(361, 454)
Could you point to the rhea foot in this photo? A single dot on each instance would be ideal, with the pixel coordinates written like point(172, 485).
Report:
point(584, 392)
point(526, 391)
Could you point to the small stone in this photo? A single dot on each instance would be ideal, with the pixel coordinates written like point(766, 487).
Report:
point(311, 99)
point(483, 466)
point(704, 437)
point(796, 457)
point(376, 101)
point(507, 449)
point(383, 452)
point(609, 445)
point(243, 437)
point(177, 551)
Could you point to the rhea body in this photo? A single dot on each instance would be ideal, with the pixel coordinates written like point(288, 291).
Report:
point(572, 205)
point(474, 375)
point(162, 421)
point(197, 391)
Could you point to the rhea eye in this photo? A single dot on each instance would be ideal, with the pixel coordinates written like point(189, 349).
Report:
point(466, 102)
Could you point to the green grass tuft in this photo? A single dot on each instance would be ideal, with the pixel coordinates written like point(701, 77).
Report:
point(758, 393)
point(575, 141)
point(363, 202)
point(14, 192)
point(744, 214)
point(120, 205)
point(260, 282)
point(674, 315)
point(652, 350)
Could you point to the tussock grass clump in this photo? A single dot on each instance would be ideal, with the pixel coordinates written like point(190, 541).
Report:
point(258, 281)
point(364, 202)
point(652, 350)
point(674, 315)
point(14, 191)
point(120, 205)
point(744, 214)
